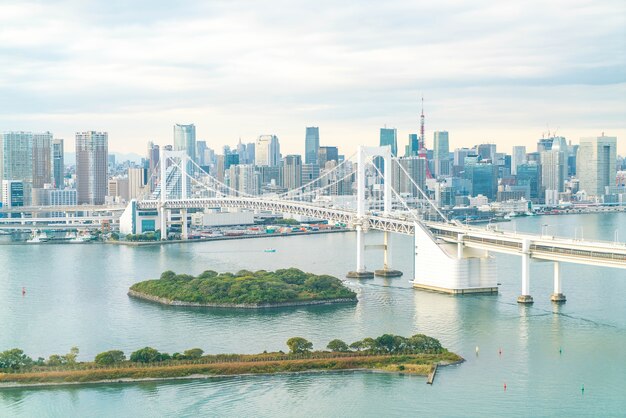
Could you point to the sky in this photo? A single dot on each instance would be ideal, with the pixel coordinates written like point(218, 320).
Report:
point(489, 71)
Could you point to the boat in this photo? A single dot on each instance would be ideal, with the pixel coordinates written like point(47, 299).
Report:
point(38, 237)
point(270, 250)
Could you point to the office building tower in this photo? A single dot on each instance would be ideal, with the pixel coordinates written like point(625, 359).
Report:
point(200, 152)
point(292, 172)
point(58, 164)
point(243, 179)
point(571, 159)
point(441, 153)
point(487, 151)
point(231, 158)
point(311, 145)
point(16, 160)
point(483, 177)
point(415, 168)
point(389, 136)
point(553, 170)
point(137, 180)
point(267, 151)
point(596, 164)
point(250, 154)
point(326, 154)
point(544, 144)
point(310, 172)
point(412, 149)
point(529, 174)
point(12, 193)
point(185, 139)
point(42, 159)
point(517, 157)
point(92, 150)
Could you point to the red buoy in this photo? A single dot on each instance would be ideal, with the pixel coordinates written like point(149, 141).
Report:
point(23, 291)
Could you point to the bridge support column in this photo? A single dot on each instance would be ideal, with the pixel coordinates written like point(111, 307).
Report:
point(360, 272)
point(163, 218)
point(525, 296)
point(459, 247)
point(558, 295)
point(184, 233)
point(387, 271)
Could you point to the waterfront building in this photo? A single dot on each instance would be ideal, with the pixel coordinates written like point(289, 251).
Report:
point(42, 159)
point(12, 193)
point(16, 160)
point(311, 145)
point(292, 171)
point(185, 139)
point(49, 196)
point(483, 177)
point(389, 136)
point(58, 164)
point(517, 157)
point(92, 150)
point(267, 151)
point(326, 154)
point(529, 174)
point(441, 153)
point(596, 164)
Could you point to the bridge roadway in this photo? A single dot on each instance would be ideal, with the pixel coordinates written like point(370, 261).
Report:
point(598, 253)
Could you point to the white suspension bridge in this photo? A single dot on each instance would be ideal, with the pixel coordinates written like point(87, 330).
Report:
point(449, 256)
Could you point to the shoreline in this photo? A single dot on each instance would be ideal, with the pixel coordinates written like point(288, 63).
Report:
point(170, 302)
point(202, 371)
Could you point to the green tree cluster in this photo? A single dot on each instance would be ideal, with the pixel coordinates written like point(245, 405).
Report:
point(396, 344)
point(14, 359)
point(245, 287)
point(110, 357)
point(148, 236)
point(63, 359)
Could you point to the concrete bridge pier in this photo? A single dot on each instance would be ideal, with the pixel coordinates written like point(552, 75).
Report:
point(525, 296)
point(361, 271)
point(386, 270)
point(184, 233)
point(163, 221)
point(557, 296)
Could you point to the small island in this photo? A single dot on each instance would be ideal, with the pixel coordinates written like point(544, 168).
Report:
point(418, 354)
point(244, 289)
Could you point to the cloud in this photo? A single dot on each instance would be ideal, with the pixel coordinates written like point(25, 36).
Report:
point(248, 67)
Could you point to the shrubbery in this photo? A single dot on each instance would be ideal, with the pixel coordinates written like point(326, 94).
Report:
point(245, 287)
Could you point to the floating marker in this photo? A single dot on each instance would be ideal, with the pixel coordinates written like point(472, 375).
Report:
point(476, 350)
point(582, 389)
point(505, 386)
point(560, 350)
point(23, 291)
point(500, 351)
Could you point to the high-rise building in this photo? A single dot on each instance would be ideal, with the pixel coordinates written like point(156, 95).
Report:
point(16, 160)
point(185, 139)
point(137, 180)
point(487, 151)
point(517, 157)
point(326, 154)
point(596, 164)
point(311, 145)
point(200, 152)
point(267, 151)
point(92, 150)
point(412, 149)
point(310, 172)
point(553, 169)
point(441, 153)
point(243, 179)
point(292, 171)
point(12, 193)
point(415, 167)
point(42, 156)
point(529, 174)
point(58, 164)
point(389, 136)
point(483, 177)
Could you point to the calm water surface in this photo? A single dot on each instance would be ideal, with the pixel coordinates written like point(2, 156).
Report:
point(76, 295)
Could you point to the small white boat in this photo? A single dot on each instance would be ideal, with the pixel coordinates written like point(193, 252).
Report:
point(270, 250)
point(38, 237)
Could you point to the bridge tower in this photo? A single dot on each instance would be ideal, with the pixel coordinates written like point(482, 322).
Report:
point(174, 167)
point(364, 154)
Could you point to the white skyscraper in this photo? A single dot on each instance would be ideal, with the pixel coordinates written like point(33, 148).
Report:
point(185, 139)
point(596, 164)
point(267, 151)
point(518, 157)
point(16, 160)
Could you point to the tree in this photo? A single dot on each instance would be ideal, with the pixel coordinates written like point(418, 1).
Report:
point(337, 345)
point(110, 357)
point(298, 345)
point(115, 236)
point(56, 360)
point(70, 358)
point(194, 353)
point(146, 355)
point(168, 275)
point(14, 359)
point(357, 345)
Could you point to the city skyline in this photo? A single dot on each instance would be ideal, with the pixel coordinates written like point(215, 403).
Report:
point(235, 71)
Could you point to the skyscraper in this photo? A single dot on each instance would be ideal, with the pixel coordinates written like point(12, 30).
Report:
point(596, 163)
point(185, 139)
point(326, 154)
point(311, 145)
point(267, 151)
point(413, 148)
point(58, 164)
point(553, 168)
point(92, 149)
point(42, 155)
point(292, 172)
point(487, 151)
point(441, 153)
point(518, 157)
point(389, 136)
point(16, 160)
